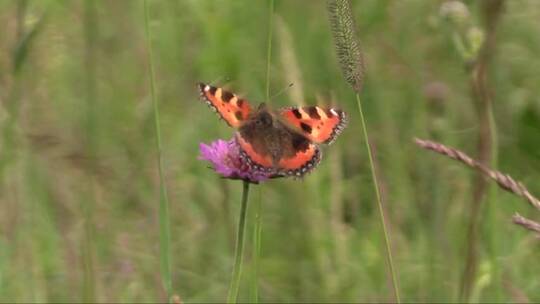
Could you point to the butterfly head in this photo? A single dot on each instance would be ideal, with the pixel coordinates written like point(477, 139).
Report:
point(262, 118)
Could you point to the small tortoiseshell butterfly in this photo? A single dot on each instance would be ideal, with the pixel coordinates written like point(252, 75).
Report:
point(285, 143)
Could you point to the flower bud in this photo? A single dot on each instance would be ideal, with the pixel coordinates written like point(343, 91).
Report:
point(455, 11)
point(475, 37)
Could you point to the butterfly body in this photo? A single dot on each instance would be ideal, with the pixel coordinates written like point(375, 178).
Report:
point(285, 142)
point(271, 137)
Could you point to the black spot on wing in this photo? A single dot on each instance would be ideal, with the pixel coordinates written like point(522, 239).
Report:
point(238, 115)
point(226, 96)
point(305, 127)
point(299, 143)
point(239, 103)
point(313, 113)
point(212, 90)
point(297, 113)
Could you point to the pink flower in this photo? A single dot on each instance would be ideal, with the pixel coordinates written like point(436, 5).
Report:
point(226, 161)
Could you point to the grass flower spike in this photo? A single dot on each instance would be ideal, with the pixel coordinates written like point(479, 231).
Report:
point(346, 42)
point(349, 54)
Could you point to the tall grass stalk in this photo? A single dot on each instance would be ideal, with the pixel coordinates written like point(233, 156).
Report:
point(289, 63)
point(379, 202)
point(239, 249)
point(164, 225)
point(258, 224)
point(257, 231)
point(89, 201)
point(487, 148)
point(351, 60)
point(24, 40)
point(269, 48)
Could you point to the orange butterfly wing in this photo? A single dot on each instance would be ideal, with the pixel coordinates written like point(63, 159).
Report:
point(302, 162)
point(302, 157)
point(319, 125)
point(233, 109)
point(254, 157)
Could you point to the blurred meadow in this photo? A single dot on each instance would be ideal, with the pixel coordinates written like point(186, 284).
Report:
point(80, 184)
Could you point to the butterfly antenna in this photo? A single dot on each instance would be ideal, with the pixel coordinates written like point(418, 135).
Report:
point(220, 79)
point(282, 91)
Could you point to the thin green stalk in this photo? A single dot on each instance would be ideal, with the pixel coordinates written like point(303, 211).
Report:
point(24, 41)
point(494, 240)
point(256, 249)
point(164, 225)
point(269, 49)
point(87, 204)
point(258, 224)
point(487, 145)
point(379, 202)
point(239, 249)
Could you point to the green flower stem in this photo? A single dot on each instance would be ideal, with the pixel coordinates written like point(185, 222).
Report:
point(379, 202)
point(239, 249)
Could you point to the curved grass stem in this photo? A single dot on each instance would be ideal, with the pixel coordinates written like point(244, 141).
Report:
point(379, 203)
point(239, 249)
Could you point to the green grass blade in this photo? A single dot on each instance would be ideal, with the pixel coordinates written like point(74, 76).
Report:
point(269, 49)
point(379, 203)
point(257, 231)
point(164, 225)
point(349, 53)
point(88, 203)
point(258, 224)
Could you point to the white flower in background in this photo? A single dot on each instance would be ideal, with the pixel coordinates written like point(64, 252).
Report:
point(455, 10)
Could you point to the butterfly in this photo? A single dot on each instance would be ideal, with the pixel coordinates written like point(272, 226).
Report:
point(283, 143)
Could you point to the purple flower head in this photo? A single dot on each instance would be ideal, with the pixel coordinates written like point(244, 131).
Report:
point(227, 161)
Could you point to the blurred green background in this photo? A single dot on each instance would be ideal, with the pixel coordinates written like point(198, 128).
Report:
point(79, 189)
